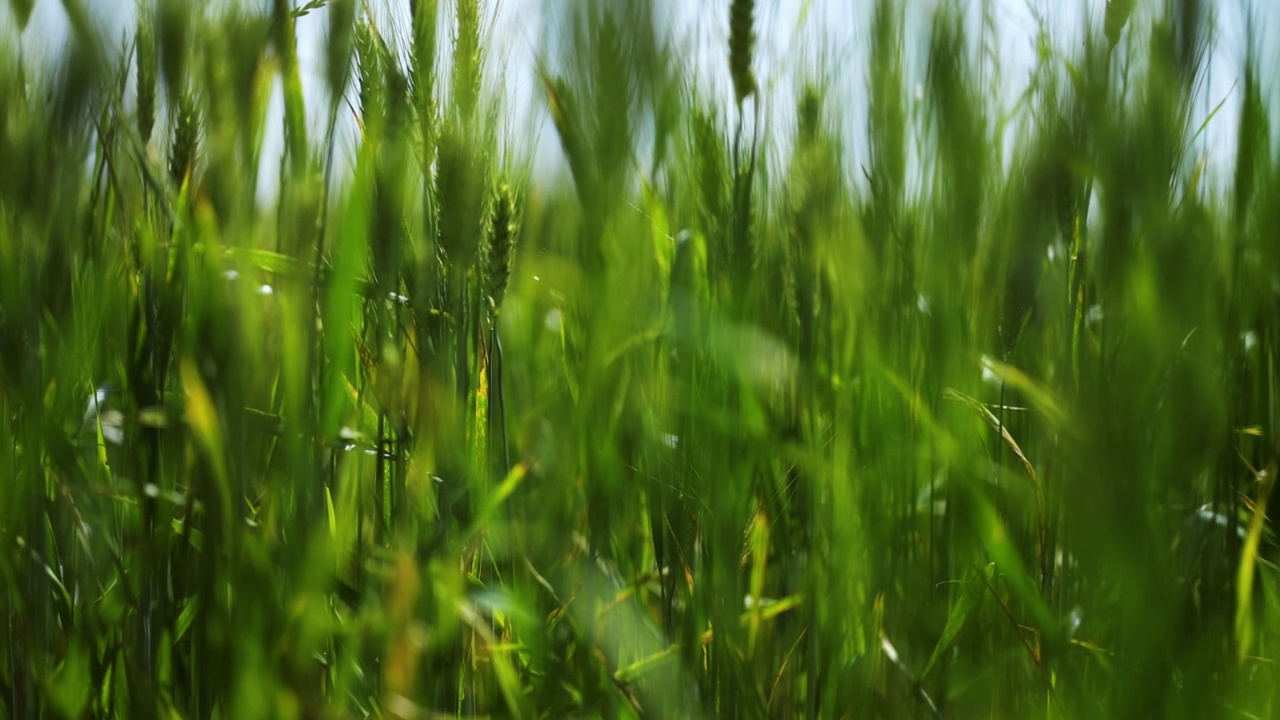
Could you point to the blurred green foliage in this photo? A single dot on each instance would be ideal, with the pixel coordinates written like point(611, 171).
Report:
point(744, 417)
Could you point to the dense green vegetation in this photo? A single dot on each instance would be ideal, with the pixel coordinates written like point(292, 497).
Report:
point(934, 410)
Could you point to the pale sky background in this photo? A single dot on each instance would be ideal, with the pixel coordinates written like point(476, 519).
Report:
point(794, 36)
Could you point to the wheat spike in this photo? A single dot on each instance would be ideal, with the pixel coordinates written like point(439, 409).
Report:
point(342, 14)
point(369, 66)
point(501, 244)
point(423, 15)
point(147, 70)
point(458, 198)
point(1118, 12)
point(185, 136)
point(742, 43)
point(466, 57)
point(173, 21)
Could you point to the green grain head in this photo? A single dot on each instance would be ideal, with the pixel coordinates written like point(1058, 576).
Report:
point(712, 168)
point(500, 249)
point(174, 23)
point(614, 86)
point(147, 70)
point(399, 98)
point(186, 131)
point(466, 58)
point(458, 197)
point(887, 116)
point(1118, 12)
point(22, 11)
point(742, 43)
point(369, 67)
point(342, 14)
point(424, 17)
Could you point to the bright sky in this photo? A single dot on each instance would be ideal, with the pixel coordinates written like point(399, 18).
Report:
point(833, 27)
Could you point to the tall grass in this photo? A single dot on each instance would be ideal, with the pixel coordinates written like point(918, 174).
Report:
point(764, 410)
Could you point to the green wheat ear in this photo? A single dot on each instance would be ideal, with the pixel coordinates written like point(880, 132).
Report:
point(458, 195)
point(1118, 12)
point(174, 21)
point(422, 61)
point(369, 67)
point(742, 43)
point(342, 15)
point(147, 70)
point(466, 57)
point(182, 151)
point(498, 254)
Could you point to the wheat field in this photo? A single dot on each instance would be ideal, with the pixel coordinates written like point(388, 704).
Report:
point(841, 402)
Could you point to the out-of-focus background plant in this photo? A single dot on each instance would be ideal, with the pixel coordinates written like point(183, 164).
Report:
point(785, 399)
